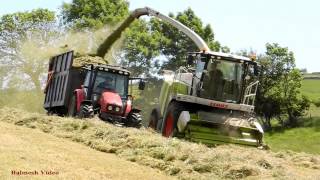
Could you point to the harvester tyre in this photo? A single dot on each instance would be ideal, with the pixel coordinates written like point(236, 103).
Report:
point(154, 119)
point(171, 118)
point(134, 120)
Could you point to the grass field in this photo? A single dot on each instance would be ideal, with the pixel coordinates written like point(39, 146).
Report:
point(302, 139)
point(173, 157)
point(307, 137)
point(311, 88)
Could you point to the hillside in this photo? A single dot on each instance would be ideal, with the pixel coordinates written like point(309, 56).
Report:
point(173, 157)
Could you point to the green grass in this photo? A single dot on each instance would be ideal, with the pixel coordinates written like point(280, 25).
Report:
point(311, 88)
point(302, 139)
point(305, 138)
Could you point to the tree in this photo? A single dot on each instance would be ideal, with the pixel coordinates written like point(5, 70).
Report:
point(141, 48)
point(177, 44)
point(280, 84)
point(144, 42)
point(157, 40)
point(81, 14)
point(21, 36)
point(94, 20)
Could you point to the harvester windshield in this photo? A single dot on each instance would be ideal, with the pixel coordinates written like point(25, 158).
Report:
point(111, 81)
point(222, 81)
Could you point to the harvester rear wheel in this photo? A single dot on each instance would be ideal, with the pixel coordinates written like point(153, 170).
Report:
point(171, 118)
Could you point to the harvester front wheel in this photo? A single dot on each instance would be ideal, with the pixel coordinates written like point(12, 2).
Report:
point(171, 118)
point(154, 119)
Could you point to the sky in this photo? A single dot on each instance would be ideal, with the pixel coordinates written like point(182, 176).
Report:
point(246, 24)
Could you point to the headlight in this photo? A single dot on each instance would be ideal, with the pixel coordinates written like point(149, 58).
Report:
point(109, 108)
point(117, 109)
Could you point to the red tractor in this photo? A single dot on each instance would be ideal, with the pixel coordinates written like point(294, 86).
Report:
point(90, 89)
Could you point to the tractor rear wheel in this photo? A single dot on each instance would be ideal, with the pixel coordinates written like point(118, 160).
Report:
point(171, 118)
point(134, 120)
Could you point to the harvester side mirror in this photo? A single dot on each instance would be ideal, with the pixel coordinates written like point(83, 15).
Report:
point(190, 60)
point(256, 70)
point(142, 85)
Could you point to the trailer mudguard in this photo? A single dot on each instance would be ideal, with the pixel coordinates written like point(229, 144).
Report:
point(79, 93)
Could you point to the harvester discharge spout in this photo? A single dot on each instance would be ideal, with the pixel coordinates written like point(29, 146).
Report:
point(116, 34)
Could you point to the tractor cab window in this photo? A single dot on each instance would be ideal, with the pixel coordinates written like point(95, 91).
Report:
point(106, 81)
point(88, 79)
point(222, 80)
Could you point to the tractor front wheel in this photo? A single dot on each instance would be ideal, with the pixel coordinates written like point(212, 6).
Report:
point(86, 111)
point(171, 118)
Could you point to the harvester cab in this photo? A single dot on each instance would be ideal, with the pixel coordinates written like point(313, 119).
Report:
point(222, 77)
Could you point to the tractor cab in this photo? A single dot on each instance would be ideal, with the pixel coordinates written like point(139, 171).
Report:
point(105, 89)
point(82, 90)
point(105, 78)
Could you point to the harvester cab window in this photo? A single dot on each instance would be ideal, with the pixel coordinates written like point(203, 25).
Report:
point(199, 68)
point(222, 81)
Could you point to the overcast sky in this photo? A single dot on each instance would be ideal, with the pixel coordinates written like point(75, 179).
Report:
point(246, 24)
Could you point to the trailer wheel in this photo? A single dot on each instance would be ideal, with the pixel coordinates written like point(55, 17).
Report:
point(134, 120)
point(171, 118)
point(72, 108)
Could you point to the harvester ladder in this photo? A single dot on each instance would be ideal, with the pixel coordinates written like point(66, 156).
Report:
point(250, 93)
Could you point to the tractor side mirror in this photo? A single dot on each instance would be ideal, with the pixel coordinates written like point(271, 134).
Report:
point(142, 84)
point(130, 97)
